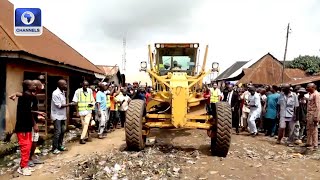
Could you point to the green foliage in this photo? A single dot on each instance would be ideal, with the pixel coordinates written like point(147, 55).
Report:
point(310, 64)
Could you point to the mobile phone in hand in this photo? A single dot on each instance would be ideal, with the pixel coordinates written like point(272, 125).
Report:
point(90, 105)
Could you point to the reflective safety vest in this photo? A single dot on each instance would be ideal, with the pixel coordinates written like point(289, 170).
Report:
point(161, 66)
point(84, 100)
point(214, 98)
point(108, 101)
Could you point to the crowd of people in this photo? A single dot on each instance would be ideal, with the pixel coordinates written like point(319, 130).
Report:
point(286, 111)
point(103, 106)
point(291, 112)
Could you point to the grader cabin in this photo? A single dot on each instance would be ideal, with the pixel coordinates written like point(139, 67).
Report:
point(45, 57)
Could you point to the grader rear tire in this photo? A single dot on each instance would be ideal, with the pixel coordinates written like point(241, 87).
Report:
point(220, 142)
point(135, 139)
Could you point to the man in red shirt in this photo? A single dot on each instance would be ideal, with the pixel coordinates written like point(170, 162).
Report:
point(148, 95)
point(207, 95)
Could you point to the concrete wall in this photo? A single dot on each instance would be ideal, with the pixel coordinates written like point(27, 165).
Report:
point(115, 79)
point(15, 75)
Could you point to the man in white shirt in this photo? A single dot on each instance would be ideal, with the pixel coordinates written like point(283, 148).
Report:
point(255, 110)
point(125, 100)
point(59, 115)
point(85, 100)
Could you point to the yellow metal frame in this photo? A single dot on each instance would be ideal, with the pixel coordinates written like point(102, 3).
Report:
point(178, 91)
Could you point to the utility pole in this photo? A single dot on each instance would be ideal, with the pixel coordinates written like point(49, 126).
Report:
point(124, 58)
point(285, 52)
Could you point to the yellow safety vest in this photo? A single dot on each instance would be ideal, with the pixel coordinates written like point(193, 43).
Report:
point(84, 100)
point(108, 101)
point(214, 98)
point(117, 105)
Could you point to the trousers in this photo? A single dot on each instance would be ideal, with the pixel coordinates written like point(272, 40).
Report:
point(294, 130)
point(102, 120)
point(235, 118)
point(312, 134)
point(252, 121)
point(114, 119)
point(243, 120)
point(85, 120)
point(122, 115)
point(213, 110)
point(270, 125)
point(303, 129)
point(25, 143)
point(59, 130)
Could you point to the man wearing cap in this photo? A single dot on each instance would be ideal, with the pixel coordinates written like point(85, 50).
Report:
point(301, 113)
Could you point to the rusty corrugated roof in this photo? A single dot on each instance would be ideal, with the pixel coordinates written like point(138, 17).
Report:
point(295, 73)
point(109, 70)
point(48, 45)
point(268, 70)
point(304, 80)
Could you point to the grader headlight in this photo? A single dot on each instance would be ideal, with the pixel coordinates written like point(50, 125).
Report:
point(215, 67)
point(143, 66)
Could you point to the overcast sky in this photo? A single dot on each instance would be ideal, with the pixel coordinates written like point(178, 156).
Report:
point(234, 30)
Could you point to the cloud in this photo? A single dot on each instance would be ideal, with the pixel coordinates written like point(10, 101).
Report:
point(235, 30)
point(140, 19)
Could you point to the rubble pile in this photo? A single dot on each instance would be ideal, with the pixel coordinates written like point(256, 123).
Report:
point(160, 162)
point(72, 135)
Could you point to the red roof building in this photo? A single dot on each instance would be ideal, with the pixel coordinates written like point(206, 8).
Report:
point(28, 57)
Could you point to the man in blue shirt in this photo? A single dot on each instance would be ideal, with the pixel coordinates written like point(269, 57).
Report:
point(101, 109)
point(287, 103)
point(142, 93)
point(271, 111)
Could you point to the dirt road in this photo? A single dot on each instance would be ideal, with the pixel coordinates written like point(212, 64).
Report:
point(182, 154)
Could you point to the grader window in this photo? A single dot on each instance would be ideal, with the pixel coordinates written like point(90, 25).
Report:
point(183, 62)
point(176, 58)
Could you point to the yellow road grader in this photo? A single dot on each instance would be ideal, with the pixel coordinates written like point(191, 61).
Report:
point(176, 101)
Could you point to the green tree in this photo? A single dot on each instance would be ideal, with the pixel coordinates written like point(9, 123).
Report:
point(310, 64)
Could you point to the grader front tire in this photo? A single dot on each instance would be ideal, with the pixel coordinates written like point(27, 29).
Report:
point(135, 139)
point(220, 142)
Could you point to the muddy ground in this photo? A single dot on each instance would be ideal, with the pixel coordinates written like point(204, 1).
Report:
point(178, 154)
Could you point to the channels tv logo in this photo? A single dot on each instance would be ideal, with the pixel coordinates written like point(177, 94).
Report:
point(27, 22)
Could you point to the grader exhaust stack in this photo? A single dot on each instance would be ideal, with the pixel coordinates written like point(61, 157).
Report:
point(176, 101)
